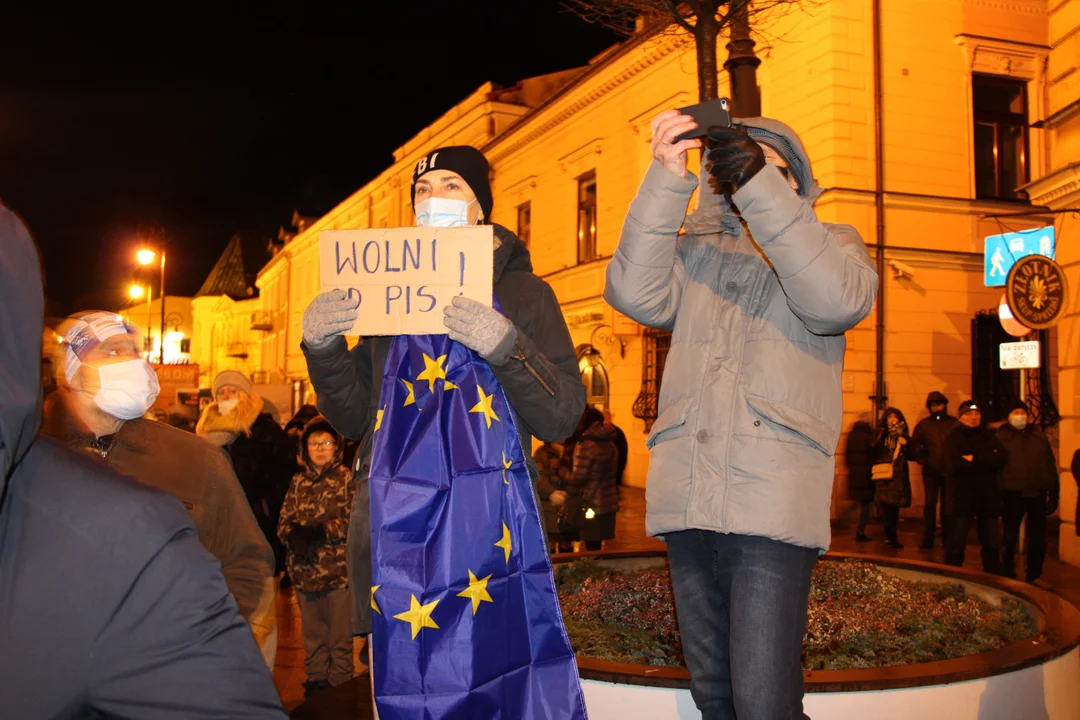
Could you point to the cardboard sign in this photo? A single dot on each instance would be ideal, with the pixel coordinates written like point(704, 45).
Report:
point(402, 278)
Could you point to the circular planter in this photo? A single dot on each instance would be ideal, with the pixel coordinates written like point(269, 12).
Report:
point(1037, 678)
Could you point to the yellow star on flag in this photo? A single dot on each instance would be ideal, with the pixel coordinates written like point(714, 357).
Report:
point(477, 591)
point(378, 417)
point(506, 466)
point(434, 370)
point(418, 616)
point(484, 406)
point(506, 544)
point(375, 605)
point(411, 399)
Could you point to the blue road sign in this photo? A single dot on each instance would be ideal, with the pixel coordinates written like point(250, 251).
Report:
point(1002, 251)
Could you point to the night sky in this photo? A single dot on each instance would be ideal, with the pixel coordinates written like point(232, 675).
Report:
point(119, 122)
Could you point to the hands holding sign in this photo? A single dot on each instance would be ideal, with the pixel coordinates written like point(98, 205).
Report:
point(473, 324)
point(389, 282)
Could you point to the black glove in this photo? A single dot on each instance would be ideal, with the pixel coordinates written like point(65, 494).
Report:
point(1052, 503)
point(304, 540)
point(735, 158)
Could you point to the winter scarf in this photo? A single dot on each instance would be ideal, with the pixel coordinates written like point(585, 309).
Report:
point(223, 429)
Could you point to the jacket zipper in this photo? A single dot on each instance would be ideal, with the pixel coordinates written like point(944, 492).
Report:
point(528, 366)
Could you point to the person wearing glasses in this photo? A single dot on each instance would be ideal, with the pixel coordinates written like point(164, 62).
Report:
point(314, 527)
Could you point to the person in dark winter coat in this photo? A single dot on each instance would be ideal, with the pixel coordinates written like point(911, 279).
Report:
point(527, 343)
point(1074, 467)
point(262, 456)
point(295, 427)
point(1029, 487)
point(108, 425)
point(859, 457)
point(548, 457)
point(974, 458)
point(594, 482)
point(314, 527)
point(620, 444)
point(892, 446)
point(109, 606)
point(928, 448)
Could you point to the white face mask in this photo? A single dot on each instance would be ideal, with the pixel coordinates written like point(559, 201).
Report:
point(128, 389)
point(1018, 421)
point(442, 212)
point(227, 406)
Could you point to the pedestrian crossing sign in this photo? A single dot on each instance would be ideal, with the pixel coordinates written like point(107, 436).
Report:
point(1002, 251)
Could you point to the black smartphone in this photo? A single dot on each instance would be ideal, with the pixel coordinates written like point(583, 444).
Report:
point(706, 115)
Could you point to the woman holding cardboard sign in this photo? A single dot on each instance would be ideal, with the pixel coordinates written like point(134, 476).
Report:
point(445, 467)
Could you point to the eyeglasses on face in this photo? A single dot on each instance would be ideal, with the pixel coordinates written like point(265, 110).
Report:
point(323, 444)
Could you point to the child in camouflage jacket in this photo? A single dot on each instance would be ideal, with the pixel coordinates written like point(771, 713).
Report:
point(314, 527)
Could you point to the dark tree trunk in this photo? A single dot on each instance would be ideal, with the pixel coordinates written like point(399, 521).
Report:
point(742, 63)
point(705, 33)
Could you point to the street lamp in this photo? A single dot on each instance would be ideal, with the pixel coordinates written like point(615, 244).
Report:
point(136, 292)
point(146, 257)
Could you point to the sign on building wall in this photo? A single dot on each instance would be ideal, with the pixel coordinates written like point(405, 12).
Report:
point(1037, 292)
point(402, 278)
point(1019, 355)
point(1001, 252)
point(175, 379)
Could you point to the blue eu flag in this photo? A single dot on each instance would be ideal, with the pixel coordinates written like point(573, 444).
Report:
point(465, 617)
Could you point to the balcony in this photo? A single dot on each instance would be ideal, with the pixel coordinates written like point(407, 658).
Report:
point(261, 320)
point(236, 350)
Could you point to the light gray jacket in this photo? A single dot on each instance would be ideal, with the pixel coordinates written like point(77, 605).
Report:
point(750, 402)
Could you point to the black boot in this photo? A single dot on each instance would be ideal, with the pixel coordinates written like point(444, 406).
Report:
point(891, 540)
point(862, 537)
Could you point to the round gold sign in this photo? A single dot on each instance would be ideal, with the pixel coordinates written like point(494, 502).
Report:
point(1037, 292)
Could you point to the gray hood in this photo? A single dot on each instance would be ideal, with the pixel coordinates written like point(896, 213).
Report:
point(713, 210)
point(21, 325)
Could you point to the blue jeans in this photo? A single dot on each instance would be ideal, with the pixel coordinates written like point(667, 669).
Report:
point(741, 605)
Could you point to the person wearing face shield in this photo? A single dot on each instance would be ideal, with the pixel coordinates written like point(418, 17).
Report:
point(104, 388)
point(1029, 488)
point(526, 343)
point(109, 605)
point(758, 293)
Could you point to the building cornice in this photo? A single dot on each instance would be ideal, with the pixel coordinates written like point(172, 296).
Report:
point(1030, 7)
point(1059, 184)
point(547, 116)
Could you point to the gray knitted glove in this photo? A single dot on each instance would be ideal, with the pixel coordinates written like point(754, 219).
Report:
point(329, 314)
point(481, 328)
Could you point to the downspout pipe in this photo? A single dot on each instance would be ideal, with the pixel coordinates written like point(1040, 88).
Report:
point(880, 397)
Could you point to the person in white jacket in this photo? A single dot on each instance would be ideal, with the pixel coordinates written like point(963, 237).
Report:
point(758, 293)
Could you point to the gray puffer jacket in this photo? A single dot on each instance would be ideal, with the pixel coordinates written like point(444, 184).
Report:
point(750, 403)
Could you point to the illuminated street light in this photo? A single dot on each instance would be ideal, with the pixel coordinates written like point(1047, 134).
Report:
point(146, 256)
point(135, 292)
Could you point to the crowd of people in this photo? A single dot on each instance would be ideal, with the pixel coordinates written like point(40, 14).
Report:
point(139, 562)
point(993, 476)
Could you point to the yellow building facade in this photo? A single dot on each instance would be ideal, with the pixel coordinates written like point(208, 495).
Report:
point(1058, 187)
point(568, 152)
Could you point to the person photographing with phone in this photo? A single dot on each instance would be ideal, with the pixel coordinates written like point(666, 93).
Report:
point(758, 293)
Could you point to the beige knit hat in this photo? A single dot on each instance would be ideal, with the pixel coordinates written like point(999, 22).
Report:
point(231, 377)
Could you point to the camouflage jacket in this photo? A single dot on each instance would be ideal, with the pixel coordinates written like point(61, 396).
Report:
point(319, 500)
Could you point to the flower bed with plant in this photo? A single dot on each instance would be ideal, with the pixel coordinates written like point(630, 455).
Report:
point(860, 617)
